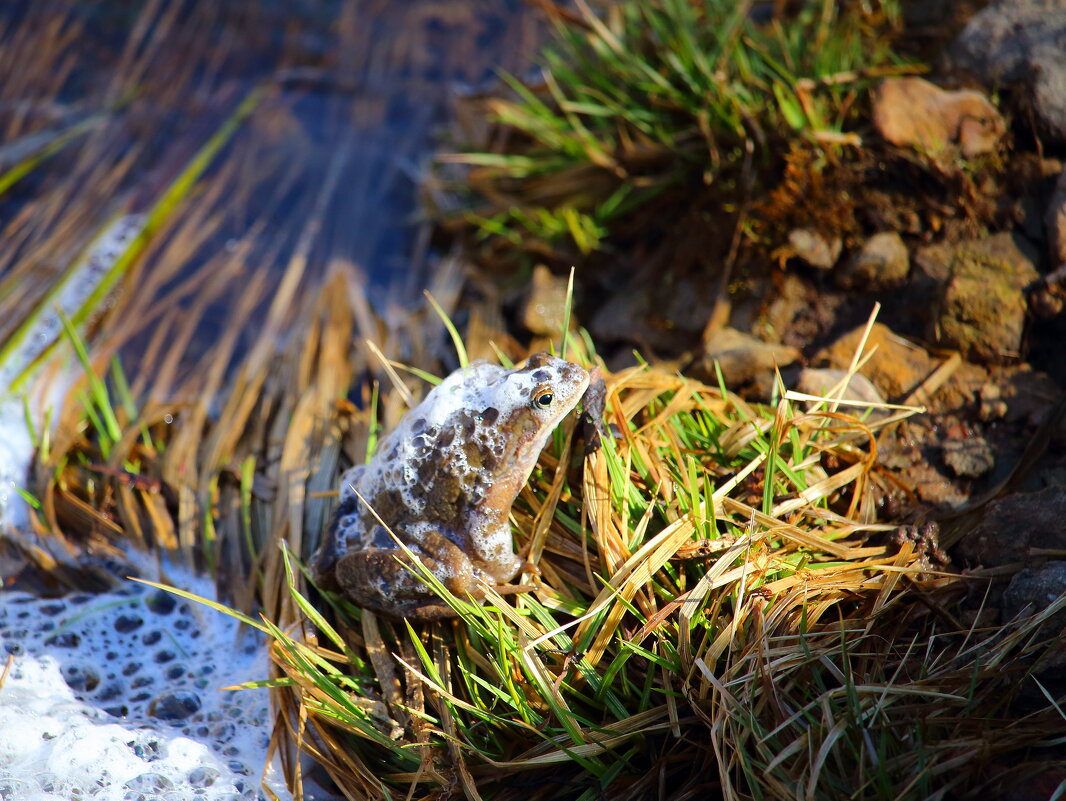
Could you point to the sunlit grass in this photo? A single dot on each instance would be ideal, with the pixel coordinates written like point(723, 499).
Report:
point(716, 609)
point(647, 96)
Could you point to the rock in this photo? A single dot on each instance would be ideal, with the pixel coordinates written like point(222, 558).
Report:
point(744, 359)
point(1021, 44)
point(969, 458)
point(1032, 591)
point(895, 368)
point(1047, 299)
point(882, 263)
point(656, 311)
point(1009, 527)
point(983, 307)
point(991, 405)
point(792, 312)
point(933, 264)
point(1055, 220)
point(544, 306)
point(815, 381)
point(811, 247)
point(911, 112)
point(898, 367)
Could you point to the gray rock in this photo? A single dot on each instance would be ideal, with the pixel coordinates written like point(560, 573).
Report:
point(1034, 589)
point(813, 248)
point(1011, 526)
point(1029, 593)
point(820, 381)
point(883, 263)
point(1021, 43)
point(968, 458)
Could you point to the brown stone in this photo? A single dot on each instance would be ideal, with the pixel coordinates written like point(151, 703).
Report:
point(983, 307)
point(911, 112)
point(744, 359)
point(896, 368)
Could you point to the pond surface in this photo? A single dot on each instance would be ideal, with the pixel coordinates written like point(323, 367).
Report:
point(356, 94)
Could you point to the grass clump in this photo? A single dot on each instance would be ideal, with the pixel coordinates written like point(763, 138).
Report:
point(718, 611)
point(645, 96)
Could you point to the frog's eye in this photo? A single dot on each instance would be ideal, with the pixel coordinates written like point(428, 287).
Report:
point(542, 399)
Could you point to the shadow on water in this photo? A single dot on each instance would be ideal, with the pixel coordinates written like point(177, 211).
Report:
point(111, 101)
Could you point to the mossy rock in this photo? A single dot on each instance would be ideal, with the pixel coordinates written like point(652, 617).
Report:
point(983, 308)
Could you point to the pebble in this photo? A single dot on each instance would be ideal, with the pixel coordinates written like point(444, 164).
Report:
point(882, 263)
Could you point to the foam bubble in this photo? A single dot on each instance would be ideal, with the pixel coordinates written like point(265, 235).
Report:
point(117, 696)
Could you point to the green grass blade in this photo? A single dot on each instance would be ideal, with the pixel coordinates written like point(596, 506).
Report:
point(97, 388)
point(457, 340)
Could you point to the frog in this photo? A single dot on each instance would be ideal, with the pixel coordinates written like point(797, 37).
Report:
point(442, 483)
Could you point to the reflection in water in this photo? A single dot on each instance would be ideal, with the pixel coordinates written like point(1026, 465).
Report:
point(354, 91)
point(111, 109)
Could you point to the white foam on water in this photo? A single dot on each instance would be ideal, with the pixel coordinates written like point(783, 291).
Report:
point(116, 697)
point(16, 446)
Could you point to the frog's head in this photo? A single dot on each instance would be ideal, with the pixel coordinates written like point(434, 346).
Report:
point(522, 408)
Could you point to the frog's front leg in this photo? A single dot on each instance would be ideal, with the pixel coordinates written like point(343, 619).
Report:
point(379, 579)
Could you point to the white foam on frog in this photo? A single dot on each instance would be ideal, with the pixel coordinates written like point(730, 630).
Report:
point(16, 446)
point(117, 696)
point(474, 388)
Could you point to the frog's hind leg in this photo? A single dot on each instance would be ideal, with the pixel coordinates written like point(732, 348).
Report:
point(379, 579)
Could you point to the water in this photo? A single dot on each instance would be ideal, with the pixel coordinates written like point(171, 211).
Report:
point(117, 696)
